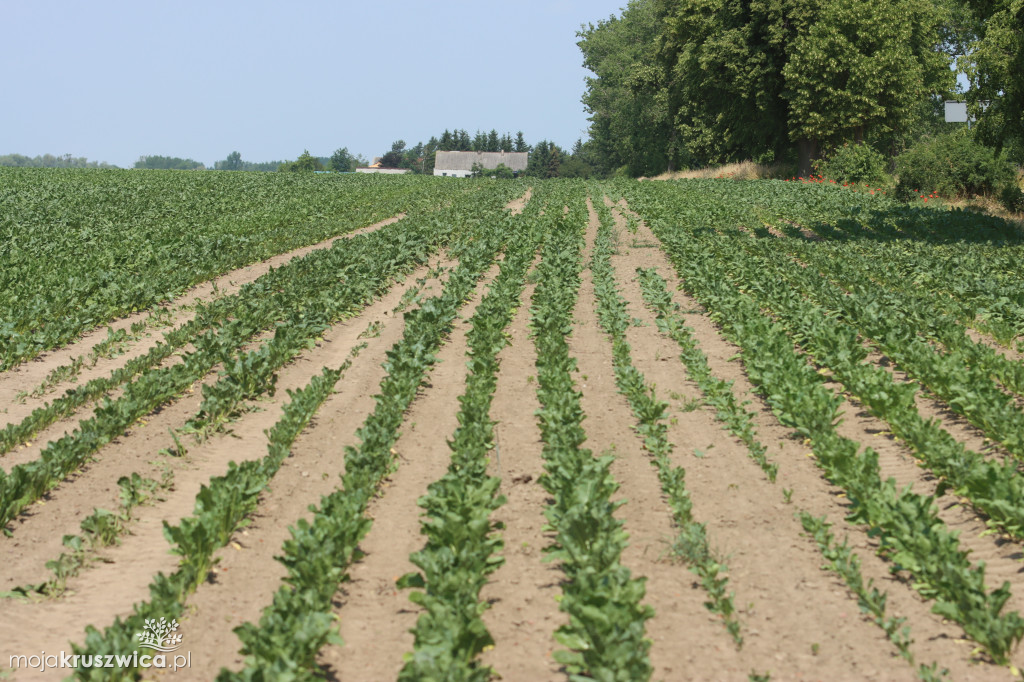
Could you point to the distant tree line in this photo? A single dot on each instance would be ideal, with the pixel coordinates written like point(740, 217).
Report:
point(234, 162)
point(546, 159)
point(168, 163)
point(51, 161)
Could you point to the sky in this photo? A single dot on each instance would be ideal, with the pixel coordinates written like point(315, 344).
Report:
point(116, 80)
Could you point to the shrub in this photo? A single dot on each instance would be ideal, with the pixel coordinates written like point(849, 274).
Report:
point(953, 164)
point(502, 172)
point(856, 162)
point(1012, 198)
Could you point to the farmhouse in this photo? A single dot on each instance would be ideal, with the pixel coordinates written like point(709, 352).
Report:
point(460, 164)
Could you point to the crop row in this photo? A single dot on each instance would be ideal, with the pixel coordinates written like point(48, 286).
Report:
point(80, 248)
point(299, 622)
point(995, 488)
point(461, 548)
point(740, 423)
point(984, 283)
point(228, 499)
point(314, 293)
point(691, 543)
point(975, 259)
point(959, 373)
point(604, 637)
point(220, 508)
point(909, 531)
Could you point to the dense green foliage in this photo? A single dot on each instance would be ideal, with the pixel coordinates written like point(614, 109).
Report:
point(305, 163)
point(851, 163)
point(995, 67)
point(168, 163)
point(78, 248)
point(953, 164)
point(696, 82)
point(235, 162)
point(51, 161)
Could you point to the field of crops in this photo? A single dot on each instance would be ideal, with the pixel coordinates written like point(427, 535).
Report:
point(280, 427)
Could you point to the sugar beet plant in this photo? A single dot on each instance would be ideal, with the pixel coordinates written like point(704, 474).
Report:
point(840, 558)
point(691, 544)
point(739, 421)
point(298, 302)
point(994, 487)
point(461, 548)
point(226, 502)
point(221, 508)
point(604, 637)
point(717, 392)
point(284, 644)
point(78, 248)
point(962, 372)
point(907, 526)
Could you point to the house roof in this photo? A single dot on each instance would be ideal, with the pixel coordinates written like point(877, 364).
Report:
point(463, 161)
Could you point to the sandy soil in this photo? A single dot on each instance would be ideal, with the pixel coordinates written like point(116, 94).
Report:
point(798, 621)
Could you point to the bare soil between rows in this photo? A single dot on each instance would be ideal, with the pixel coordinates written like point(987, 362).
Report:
point(798, 621)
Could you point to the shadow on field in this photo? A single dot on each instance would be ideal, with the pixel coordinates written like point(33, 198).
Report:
point(915, 223)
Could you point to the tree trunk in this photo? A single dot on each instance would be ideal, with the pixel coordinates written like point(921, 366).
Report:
point(808, 151)
point(672, 151)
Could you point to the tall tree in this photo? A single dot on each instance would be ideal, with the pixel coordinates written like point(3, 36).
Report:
point(995, 67)
point(168, 163)
point(480, 141)
point(232, 163)
point(721, 80)
point(631, 122)
point(723, 61)
point(393, 158)
point(341, 161)
point(520, 143)
point(493, 144)
point(888, 61)
point(447, 142)
point(305, 163)
point(545, 160)
point(413, 159)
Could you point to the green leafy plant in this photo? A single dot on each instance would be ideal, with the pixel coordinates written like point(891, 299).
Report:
point(854, 163)
point(954, 165)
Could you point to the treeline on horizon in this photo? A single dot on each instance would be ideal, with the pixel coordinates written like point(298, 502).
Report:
point(546, 159)
point(692, 83)
point(51, 161)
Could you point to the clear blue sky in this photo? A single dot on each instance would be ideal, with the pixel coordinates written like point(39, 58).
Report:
point(114, 80)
